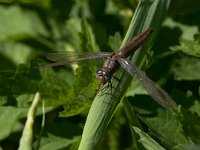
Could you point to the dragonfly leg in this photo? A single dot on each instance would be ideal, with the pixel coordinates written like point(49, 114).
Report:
point(117, 79)
point(103, 88)
point(99, 93)
point(110, 85)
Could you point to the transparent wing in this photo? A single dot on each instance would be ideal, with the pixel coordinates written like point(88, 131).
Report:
point(156, 92)
point(75, 56)
point(66, 57)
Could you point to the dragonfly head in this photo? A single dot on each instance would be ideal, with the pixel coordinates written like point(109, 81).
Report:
point(102, 77)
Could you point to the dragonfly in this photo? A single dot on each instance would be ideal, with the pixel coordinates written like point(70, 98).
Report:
point(113, 62)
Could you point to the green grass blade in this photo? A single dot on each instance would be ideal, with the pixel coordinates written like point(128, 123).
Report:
point(149, 13)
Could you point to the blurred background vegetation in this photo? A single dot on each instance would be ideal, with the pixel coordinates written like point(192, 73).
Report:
point(30, 29)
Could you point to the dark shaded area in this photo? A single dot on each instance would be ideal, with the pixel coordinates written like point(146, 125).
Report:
point(186, 11)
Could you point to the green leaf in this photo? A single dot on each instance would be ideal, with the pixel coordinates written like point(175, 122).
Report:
point(115, 41)
point(135, 89)
point(16, 23)
point(191, 126)
point(12, 80)
point(148, 142)
point(24, 100)
point(74, 28)
point(196, 107)
point(52, 88)
point(55, 142)
point(166, 127)
point(21, 53)
point(9, 117)
point(186, 68)
point(3, 100)
point(188, 47)
point(187, 31)
point(85, 84)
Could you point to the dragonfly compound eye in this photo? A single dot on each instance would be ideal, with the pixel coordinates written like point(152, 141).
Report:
point(100, 77)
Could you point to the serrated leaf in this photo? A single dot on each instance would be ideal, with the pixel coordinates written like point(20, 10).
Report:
point(148, 142)
point(166, 127)
point(191, 126)
point(12, 80)
point(186, 68)
point(25, 81)
point(85, 83)
point(195, 108)
point(188, 47)
point(53, 89)
point(81, 94)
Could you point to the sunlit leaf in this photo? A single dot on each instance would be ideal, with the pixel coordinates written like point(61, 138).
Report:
point(16, 23)
point(186, 68)
point(188, 47)
point(167, 128)
point(9, 117)
point(21, 55)
point(54, 142)
point(147, 141)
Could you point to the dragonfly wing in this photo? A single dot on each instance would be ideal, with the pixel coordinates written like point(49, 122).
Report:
point(66, 58)
point(53, 64)
point(156, 92)
point(62, 56)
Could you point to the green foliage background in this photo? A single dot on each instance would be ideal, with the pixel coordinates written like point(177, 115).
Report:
point(29, 29)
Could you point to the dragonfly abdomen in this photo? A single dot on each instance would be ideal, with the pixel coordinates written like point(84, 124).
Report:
point(134, 44)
